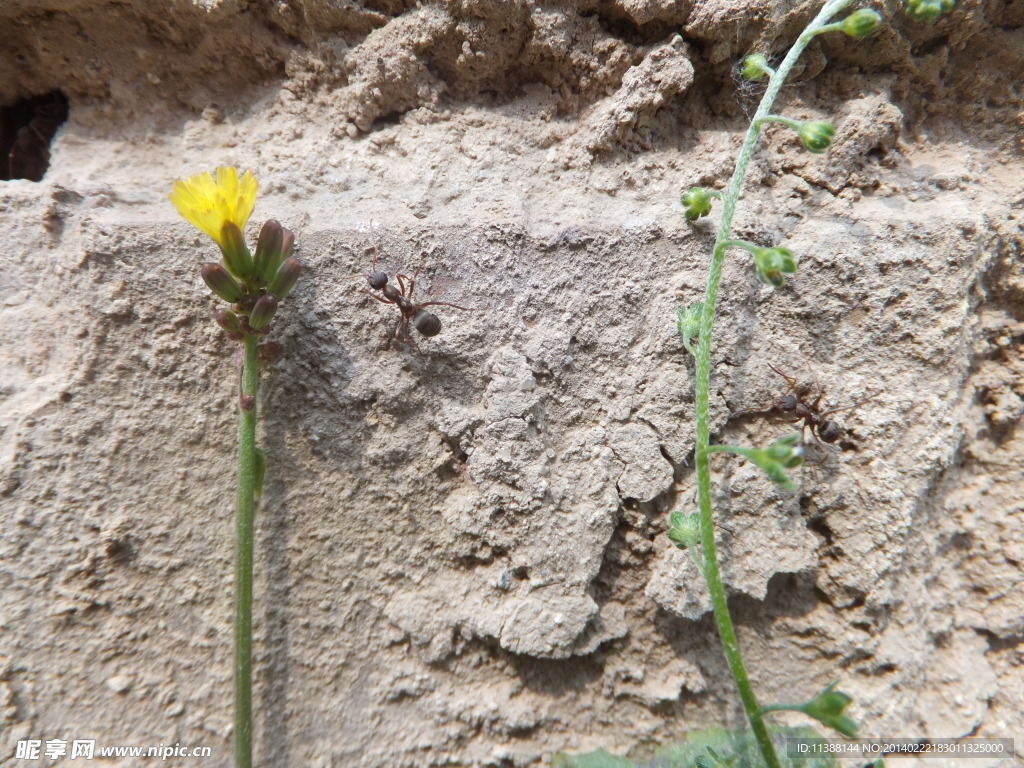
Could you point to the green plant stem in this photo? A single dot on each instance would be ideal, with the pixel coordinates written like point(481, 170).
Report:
point(783, 708)
point(794, 124)
point(737, 449)
point(712, 572)
point(244, 517)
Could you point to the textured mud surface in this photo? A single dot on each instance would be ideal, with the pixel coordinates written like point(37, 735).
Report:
point(460, 551)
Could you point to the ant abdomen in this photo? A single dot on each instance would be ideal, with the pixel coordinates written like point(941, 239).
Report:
point(377, 280)
point(829, 431)
point(427, 323)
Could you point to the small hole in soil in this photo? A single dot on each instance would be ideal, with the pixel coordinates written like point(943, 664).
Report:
point(391, 118)
point(26, 129)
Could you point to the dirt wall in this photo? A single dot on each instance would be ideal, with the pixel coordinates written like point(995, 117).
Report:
point(460, 551)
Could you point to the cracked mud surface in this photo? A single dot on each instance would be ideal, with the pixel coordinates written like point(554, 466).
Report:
point(461, 557)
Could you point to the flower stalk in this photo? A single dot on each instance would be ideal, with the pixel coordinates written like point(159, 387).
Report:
point(712, 571)
point(254, 286)
point(245, 514)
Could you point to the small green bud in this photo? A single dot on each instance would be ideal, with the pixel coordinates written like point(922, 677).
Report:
point(827, 708)
point(263, 312)
point(928, 10)
point(816, 135)
point(775, 459)
point(861, 23)
point(697, 203)
point(688, 324)
point(268, 257)
point(773, 263)
point(236, 253)
point(787, 451)
point(286, 277)
point(685, 529)
point(755, 67)
point(221, 282)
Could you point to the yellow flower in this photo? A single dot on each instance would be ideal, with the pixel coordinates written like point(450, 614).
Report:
point(209, 204)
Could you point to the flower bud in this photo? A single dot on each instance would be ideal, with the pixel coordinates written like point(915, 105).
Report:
point(775, 459)
point(773, 263)
point(816, 135)
point(928, 10)
point(755, 67)
point(286, 277)
point(221, 282)
point(229, 322)
point(697, 203)
point(236, 252)
point(688, 325)
point(263, 312)
point(827, 708)
point(268, 257)
point(861, 23)
point(287, 242)
point(787, 451)
point(685, 530)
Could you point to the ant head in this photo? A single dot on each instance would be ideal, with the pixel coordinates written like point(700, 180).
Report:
point(829, 431)
point(427, 323)
point(788, 403)
point(377, 280)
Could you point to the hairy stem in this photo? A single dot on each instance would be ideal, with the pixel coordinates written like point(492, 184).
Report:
point(245, 512)
point(712, 573)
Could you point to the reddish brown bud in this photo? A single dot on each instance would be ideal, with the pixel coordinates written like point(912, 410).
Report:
point(229, 322)
point(263, 312)
point(221, 282)
point(269, 248)
point(285, 278)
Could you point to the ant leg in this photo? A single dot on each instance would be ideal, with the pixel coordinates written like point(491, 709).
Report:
point(817, 400)
point(825, 452)
point(851, 407)
point(747, 411)
point(448, 304)
point(793, 383)
point(412, 283)
point(403, 333)
point(381, 299)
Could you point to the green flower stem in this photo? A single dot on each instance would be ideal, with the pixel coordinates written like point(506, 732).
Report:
point(245, 512)
point(794, 124)
point(703, 386)
point(746, 246)
point(783, 708)
point(737, 449)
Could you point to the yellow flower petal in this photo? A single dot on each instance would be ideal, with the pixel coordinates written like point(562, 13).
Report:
point(208, 204)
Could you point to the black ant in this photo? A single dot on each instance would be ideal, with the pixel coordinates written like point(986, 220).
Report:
point(823, 429)
point(426, 323)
